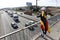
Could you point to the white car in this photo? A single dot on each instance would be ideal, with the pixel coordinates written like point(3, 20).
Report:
point(30, 23)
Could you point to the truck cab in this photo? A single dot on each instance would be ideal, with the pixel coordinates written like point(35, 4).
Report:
point(15, 17)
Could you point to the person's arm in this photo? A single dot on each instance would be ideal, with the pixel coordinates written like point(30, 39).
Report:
point(42, 13)
point(38, 16)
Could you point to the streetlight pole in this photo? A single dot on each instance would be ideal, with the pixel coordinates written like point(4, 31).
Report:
point(36, 3)
point(36, 6)
point(56, 4)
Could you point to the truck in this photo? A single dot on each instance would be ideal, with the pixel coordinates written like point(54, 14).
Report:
point(28, 12)
point(15, 17)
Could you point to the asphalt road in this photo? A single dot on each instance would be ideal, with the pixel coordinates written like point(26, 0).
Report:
point(1, 27)
point(6, 20)
point(32, 17)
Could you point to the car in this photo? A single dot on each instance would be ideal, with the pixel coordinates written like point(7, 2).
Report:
point(30, 23)
point(31, 27)
point(14, 25)
point(6, 11)
point(11, 15)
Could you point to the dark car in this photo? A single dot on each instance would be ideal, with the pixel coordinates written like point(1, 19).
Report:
point(31, 27)
point(14, 25)
point(6, 11)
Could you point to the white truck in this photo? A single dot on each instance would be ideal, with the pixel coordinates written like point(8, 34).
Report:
point(15, 17)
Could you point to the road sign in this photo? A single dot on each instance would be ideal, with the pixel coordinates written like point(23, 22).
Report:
point(28, 3)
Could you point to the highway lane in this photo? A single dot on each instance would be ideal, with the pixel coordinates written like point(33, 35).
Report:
point(6, 25)
point(32, 17)
point(9, 19)
point(6, 21)
point(1, 26)
point(22, 22)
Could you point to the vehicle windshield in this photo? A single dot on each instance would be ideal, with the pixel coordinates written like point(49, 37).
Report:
point(31, 23)
point(14, 24)
point(16, 17)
